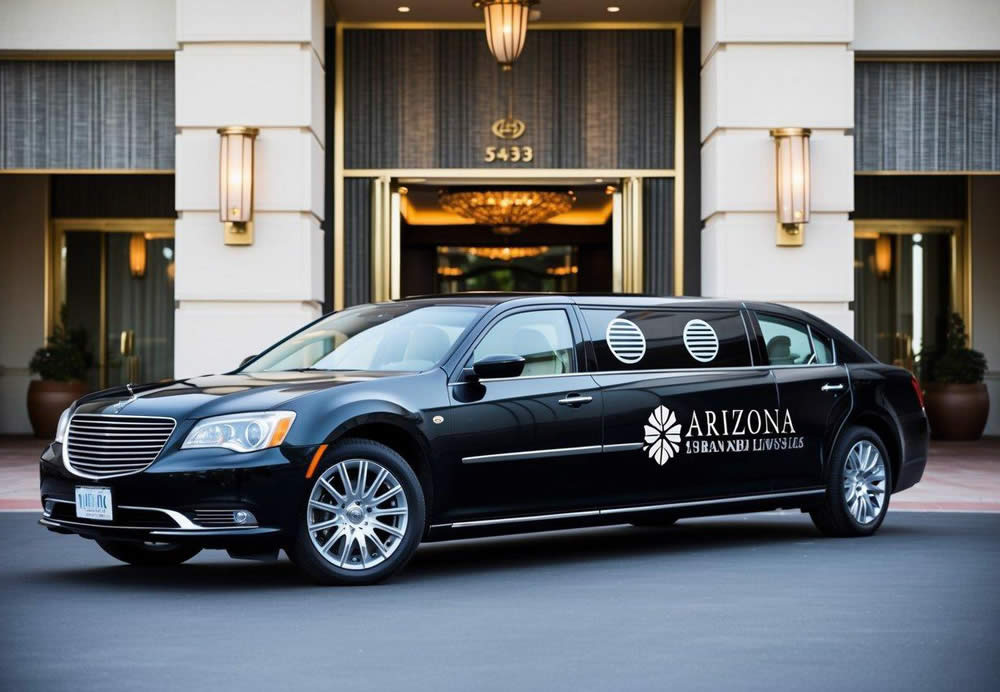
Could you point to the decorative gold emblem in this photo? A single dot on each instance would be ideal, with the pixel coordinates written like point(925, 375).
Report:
point(508, 128)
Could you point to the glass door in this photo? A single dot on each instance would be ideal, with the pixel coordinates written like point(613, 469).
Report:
point(115, 279)
point(909, 277)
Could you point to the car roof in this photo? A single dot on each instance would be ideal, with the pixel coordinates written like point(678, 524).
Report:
point(609, 299)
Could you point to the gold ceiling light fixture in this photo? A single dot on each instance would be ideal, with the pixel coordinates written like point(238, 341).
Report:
point(507, 211)
point(499, 254)
point(883, 256)
point(506, 32)
point(506, 27)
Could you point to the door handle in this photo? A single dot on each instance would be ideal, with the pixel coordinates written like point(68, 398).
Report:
point(831, 387)
point(575, 400)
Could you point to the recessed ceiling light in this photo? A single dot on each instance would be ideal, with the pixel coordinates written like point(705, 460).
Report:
point(403, 8)
point(614, 8)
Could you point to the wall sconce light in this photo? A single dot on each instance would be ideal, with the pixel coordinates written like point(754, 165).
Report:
point(883, 256)
point(791, 146)
point(506, 27)
point(236, 183)
point(137, 255)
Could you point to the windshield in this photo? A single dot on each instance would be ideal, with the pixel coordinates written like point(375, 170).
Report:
point(399, 337)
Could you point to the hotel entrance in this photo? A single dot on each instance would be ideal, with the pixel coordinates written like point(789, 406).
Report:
point(448, 235)
point(496, 237)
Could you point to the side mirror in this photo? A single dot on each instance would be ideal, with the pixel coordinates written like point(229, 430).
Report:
point(498, 365)
point(245, 361)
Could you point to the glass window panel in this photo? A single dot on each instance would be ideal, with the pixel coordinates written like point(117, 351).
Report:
point(542, 337)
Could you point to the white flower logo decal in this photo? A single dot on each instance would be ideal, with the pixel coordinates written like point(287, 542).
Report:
point(663, 435)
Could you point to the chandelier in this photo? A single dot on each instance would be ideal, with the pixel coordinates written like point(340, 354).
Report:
point(507, 210)
point(501, 254)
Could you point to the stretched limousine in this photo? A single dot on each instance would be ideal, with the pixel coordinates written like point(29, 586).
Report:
point(375, 428)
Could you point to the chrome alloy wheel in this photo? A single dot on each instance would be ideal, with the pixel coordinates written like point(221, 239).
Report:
point(864, 482)
point(357, 514)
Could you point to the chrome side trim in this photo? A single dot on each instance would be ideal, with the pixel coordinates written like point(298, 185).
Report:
point(516, 520)
point(629, 510)
point(545, 453)
point(532, 454)
point(623, 446)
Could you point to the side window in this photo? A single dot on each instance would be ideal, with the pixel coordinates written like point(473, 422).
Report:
point(543, 338)
point(667, 339)
point(787, 341)
point(823, 347)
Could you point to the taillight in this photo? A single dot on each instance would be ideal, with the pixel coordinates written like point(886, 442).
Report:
point(918, 390)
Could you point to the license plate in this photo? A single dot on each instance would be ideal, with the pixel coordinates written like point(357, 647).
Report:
point(93, 503)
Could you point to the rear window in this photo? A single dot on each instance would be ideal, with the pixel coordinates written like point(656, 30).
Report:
point(667, 339)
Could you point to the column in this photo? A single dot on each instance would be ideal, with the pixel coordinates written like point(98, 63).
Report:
point(767, 64)
point(259, 64)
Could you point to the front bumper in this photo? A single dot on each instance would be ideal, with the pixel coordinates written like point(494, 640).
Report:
point(185, 497)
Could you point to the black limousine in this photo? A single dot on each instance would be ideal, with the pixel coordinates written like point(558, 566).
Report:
point(377, 427)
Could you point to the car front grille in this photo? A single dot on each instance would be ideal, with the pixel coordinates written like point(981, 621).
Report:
point(102, 446)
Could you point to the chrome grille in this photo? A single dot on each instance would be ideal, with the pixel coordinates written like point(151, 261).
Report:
point(101, 446)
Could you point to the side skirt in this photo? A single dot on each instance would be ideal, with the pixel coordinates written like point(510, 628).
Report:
point(619, 515)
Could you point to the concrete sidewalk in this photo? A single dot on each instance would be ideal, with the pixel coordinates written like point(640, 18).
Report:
point(960, 477)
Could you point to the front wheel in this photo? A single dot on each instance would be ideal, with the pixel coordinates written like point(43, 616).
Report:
point(363, 517)
point(859, 480)
point(149, 554)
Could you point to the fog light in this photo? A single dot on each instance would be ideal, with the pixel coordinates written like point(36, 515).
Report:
point(241, 516)
point(49, 506)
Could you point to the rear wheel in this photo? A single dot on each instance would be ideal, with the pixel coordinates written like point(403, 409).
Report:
point(149, 554)
point(859, 480)
point(363, 518)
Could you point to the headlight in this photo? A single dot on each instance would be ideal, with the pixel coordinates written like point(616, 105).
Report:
point(243, 432)
point(63, 425)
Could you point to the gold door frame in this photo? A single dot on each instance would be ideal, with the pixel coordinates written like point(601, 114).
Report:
point(58, 228)
point(385, 240)
point(960, 290)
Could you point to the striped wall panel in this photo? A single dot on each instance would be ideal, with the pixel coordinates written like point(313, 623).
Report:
point(658, 235)
point(357, 241)
point(589, 99)
point(927, 116)
point(87, 114)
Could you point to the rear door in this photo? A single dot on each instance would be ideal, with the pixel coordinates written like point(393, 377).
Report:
point(528, 444)
point(814, 393)
point(685, 410)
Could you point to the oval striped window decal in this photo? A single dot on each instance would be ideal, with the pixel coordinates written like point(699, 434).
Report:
point(626, 341)
point(701, 341)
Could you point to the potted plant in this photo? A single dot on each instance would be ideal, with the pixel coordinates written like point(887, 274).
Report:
point(62, 364)
point(956, 399)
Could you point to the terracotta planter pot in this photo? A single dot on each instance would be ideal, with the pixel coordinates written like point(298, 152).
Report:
point(957, 411)
point(47, 399)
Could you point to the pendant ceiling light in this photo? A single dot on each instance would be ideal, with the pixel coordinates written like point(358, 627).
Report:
point(507, 210)
point(506, 27)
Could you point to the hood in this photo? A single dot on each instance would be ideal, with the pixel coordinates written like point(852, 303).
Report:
point(213, 395)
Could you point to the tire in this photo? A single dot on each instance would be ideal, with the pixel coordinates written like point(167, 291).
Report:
point(346, 536)
point(839, 515)
point(149, 554)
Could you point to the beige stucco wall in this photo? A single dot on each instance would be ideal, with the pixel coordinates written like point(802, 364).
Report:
point(23, 220)
point(87, 25)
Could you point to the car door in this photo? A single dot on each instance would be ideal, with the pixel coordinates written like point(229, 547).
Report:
point(813, 389)
point(528, 444)
point(685, 410)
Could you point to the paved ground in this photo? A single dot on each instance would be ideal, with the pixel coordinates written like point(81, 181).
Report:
point(960, 476)
point(747, 602)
